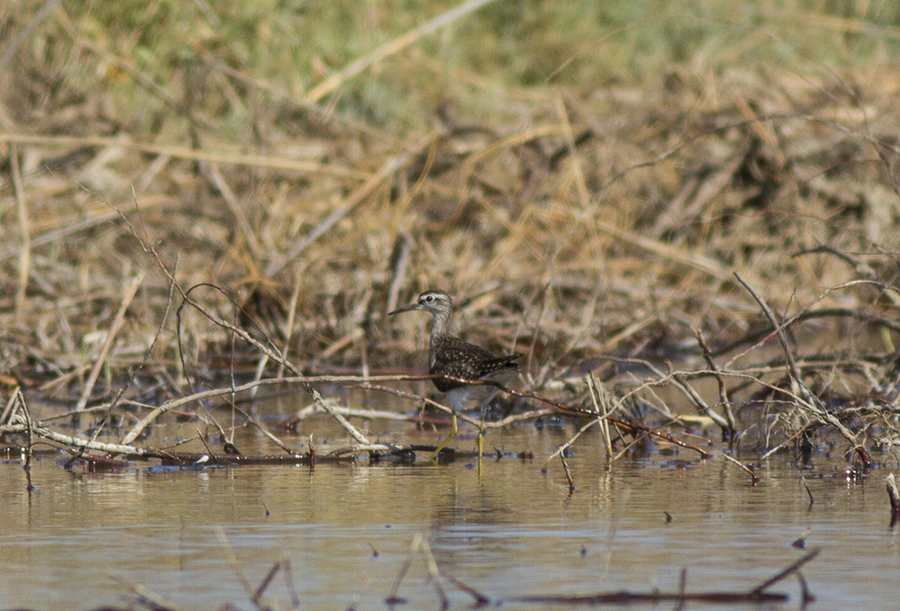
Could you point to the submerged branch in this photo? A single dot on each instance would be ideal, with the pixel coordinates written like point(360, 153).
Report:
point(756, 595)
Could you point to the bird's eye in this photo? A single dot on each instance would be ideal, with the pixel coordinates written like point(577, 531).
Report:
point(429, 298)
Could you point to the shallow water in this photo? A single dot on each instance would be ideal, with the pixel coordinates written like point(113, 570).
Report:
point(80, 540)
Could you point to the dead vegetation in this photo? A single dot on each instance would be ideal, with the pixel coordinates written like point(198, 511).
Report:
point(168, 227)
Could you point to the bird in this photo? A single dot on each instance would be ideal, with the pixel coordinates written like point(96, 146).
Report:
point(450, 356)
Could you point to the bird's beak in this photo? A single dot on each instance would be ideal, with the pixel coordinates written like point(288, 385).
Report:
point(409, 308)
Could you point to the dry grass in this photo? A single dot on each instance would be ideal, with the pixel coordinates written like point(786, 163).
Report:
point(587, 193)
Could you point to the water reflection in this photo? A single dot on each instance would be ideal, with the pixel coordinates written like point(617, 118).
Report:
point(515, 529)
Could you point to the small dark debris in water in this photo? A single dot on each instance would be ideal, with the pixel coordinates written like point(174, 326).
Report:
point(678, 464)
point(387, 525)
point(669, 517)
point(95, 463)
point(431, 449)
point(526, 455)
point(806, 448)
point(230, 448)
point(568, 453)
point(583, 550)
point(374, 551)
point(398, 457)
point(395, 600)
point(267, 510)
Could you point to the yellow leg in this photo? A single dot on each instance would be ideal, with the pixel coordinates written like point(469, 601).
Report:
point(446, 439)
point(480, 464)
point(481, 435)
point(481, 438)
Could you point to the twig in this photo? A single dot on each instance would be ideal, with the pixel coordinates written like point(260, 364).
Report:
point(270, 352)
point(566, 409)
point(218, 392)
point(41, 430)
point(419, 546)
point(29, 426)
point(235, 565)
point(289, 325)
point(810, 401)
point(723, 389)
point(565, 465)
point(433, 572)
point(261, 588)
point(480, 599)
point(9, 410)
point(893, 495)
point(264, 430)
point(754, 478)
point(858, 266)
point(529, 415)
point(680, 596)
point(791, 569)
point(352, 412)
point(130, 292)
point(376, 448)
point(149, 351)
point(700, 404)
point(289, 581)
point(561, 449)
point(794, 373)
point(604, 423)
point(145, 597)
point(203, 441)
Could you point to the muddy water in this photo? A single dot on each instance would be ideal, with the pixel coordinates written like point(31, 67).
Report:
point(81, 540)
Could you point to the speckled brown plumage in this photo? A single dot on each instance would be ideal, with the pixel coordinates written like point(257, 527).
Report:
point(455, 358)
point(451, 356)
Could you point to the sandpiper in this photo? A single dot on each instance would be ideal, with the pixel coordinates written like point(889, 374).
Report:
point(452, 357)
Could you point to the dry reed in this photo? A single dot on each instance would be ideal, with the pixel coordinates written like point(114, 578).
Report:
point(577, 222)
